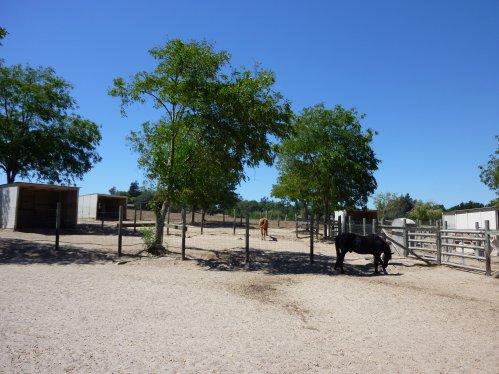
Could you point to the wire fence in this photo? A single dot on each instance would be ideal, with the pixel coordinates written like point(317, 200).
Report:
point(237, 237)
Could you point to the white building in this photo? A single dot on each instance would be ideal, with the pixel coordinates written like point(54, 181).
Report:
point(93, 206)
point(469, 218)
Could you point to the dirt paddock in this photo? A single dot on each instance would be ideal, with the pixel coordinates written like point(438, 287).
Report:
point(83, 309)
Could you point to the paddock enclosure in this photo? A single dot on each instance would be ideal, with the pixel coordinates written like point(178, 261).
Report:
point(213, 312)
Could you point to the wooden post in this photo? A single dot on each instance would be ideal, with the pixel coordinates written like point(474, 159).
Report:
point(477, 250)
point(134, 218)
point(439, 244)
point(406, 238)
point(446, 240)
point(183, 234)
point(311, 238)
point(57, 225)
point(364, 226)
point(120, 225)
point(234, 233)
point(349, 223)
point(140, 217)
point(247, 260)
point(340, 227)
point(103, 213)
point(488, 270)
point(374, 226)
point(202, 220)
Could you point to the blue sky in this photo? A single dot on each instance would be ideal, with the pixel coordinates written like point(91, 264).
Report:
point(426, 73)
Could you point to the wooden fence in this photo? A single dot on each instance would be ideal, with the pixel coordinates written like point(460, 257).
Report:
point(468, 249)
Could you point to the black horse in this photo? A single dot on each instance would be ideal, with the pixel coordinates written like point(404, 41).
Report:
point(370, 244)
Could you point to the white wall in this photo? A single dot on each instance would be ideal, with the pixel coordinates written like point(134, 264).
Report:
point(87, 206)
point(8, 204)
point(466, 219)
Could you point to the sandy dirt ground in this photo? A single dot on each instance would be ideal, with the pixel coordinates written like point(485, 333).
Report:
point(83, 309)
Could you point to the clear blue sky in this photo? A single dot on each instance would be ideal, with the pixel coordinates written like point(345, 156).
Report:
point(426, 73)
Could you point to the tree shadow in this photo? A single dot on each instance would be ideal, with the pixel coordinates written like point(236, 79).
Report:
point(83, 229)
point(277, 263)
point(24, 252)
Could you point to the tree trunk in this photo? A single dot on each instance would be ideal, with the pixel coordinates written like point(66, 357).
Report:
point(325, 202)
point(158, 248)
point(193, 215)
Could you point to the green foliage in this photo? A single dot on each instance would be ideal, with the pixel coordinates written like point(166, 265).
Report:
point(133, 192)
point(489, 174)
point(147, 234)
point(3, 33)
point(469, 205)
point(328, 161)
point(256, 208)
point(391, 205)
point(40, 138)
point(213, 123)
point(114, 191)
point(425, 211)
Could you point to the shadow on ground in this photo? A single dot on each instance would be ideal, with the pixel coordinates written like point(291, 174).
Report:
point(276, 263)
point(24, 252)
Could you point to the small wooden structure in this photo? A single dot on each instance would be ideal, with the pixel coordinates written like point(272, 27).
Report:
point(99, 206)
point(32, 205)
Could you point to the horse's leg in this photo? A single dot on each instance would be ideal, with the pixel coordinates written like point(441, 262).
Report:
point(339, 261)
point(340, 256)
point(343, 253)
point(377, 261)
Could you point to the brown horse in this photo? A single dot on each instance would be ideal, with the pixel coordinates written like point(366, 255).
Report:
point(264, 227)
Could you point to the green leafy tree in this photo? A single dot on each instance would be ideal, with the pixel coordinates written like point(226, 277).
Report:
point(229, 113)
point(114, 191)
point(399, 206)
point(133, 191)
point(3, 34)
point(469, 205)
point(490, 173)
point(328, 161)
point(381, 202)
point(40, 137)
point(425, 211)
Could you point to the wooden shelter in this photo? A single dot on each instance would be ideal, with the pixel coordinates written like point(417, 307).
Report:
point(32, 205)
point(98, 206)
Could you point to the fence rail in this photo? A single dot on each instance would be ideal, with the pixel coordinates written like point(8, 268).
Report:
point(468, 249)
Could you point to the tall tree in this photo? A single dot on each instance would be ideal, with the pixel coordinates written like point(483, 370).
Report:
point(382, 201)
point(40, 137)
point(469, 205)
point(398, 206)
point(202, 102)
point(490, 173)
point(425, 211)
point(328, 160)
point(3, 34)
